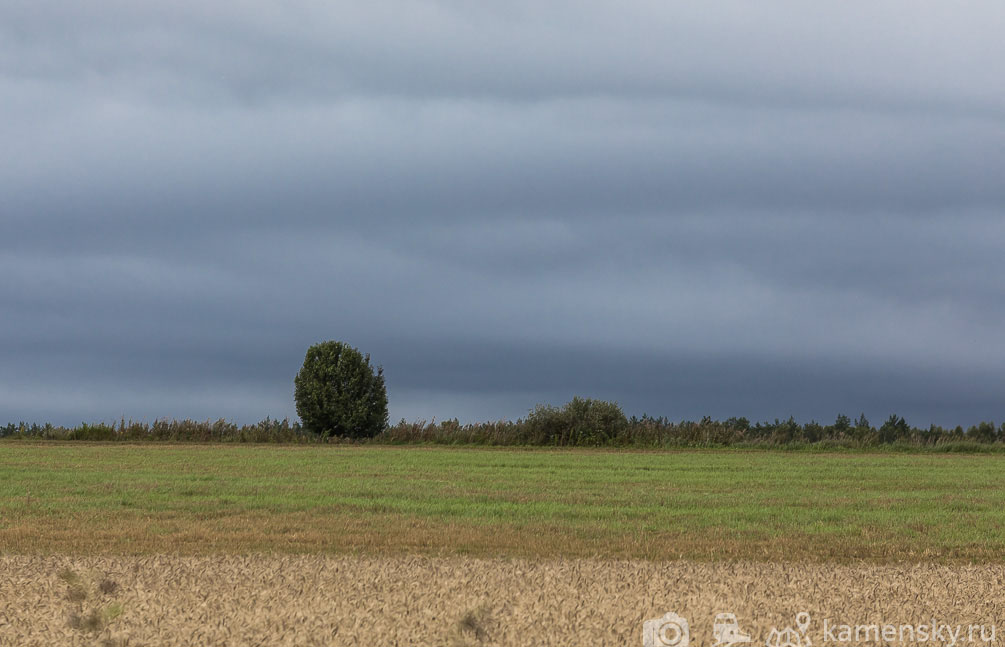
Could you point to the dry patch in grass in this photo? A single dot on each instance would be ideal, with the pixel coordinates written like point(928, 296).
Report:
point(344, 600)
point(394, 535)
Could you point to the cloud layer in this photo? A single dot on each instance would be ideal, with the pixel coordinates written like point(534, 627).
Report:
point(710, 209)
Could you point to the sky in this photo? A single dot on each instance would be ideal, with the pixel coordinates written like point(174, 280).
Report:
point(760, 209)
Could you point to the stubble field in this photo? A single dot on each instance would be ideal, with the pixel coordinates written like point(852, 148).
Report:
point(213, 545)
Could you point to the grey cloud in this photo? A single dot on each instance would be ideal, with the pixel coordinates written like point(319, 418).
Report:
point(728, 210)
point(898, 53)
point(450, 162)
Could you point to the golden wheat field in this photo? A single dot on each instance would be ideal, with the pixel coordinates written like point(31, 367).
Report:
point(454, 601)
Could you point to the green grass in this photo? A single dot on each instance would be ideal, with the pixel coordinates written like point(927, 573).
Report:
point(116, 498)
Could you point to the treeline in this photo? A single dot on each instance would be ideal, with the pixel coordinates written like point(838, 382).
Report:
point(591, 423)
point(221, 431)
point(739, 432)
point(579, 423)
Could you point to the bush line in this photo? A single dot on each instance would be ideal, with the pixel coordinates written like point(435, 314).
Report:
point(580, 423)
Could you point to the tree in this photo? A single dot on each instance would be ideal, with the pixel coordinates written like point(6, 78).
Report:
point(863, 431)
point(338, 393)
point(983, 433)
point(895, 428)
point(813, 431)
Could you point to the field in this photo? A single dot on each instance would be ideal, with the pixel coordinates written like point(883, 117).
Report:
point(462, 602)
point(117, 544)
point(198, 499)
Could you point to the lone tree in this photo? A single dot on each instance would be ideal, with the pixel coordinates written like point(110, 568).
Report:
point(338, 393)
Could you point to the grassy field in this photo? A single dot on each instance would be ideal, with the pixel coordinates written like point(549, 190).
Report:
point(79, 499)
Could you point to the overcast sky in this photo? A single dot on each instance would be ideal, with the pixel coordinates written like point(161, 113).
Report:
point(739, 208)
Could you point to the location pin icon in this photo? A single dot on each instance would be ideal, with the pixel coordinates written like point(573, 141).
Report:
point(803, 621)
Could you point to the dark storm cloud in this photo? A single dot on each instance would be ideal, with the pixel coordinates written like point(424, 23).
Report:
point(694, 209)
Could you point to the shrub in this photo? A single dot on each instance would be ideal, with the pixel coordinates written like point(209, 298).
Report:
point(983, 433)
point(339, 394)
point(786, 432)
point(99, 431)
point(813, 432)
point(582, 421)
